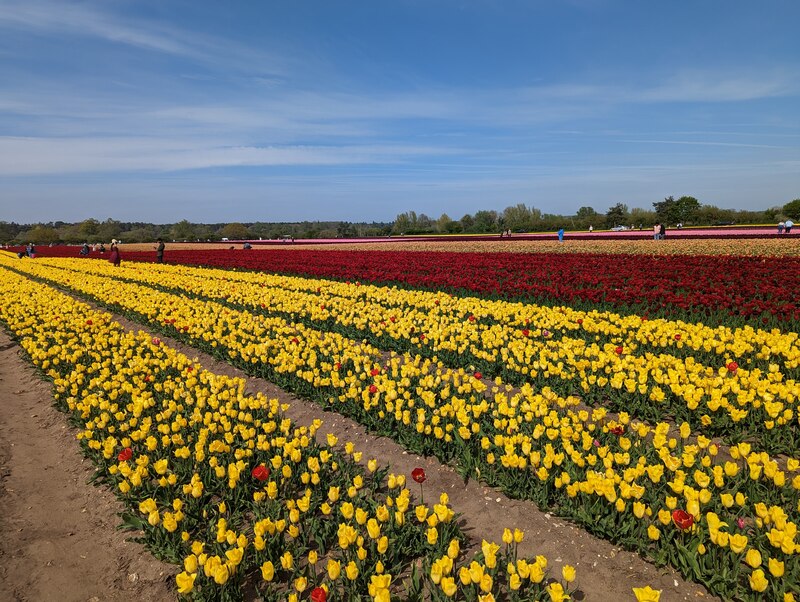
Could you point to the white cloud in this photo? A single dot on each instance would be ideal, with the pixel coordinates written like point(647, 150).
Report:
point(21, 156)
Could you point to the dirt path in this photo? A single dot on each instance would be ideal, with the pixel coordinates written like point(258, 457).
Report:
point(604, 572)
point(60, 540)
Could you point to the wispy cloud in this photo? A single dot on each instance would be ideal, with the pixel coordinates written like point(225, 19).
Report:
point(67, 17)
point(30, 156)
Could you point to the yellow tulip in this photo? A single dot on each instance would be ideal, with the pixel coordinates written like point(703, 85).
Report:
point(647, 594)
point(758, 583)
point(185, 582)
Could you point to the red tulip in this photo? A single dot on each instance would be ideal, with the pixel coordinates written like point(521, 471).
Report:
point(617, 430)
point(318, 595)
point(478, 375)
point(125, 455)
point(418, 474)
point(682, 519)
point(373, 389)
point(260, 473)
point(156, 341)
point(375, 372)
point(471, 318)
point(89, 322)
point(337, 366)
point(580, 321)
point(677, 337)
point(525, 332)
point(732, 367)
point(618, 350)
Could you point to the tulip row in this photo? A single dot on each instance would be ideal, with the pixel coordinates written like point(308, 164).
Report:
point(623, 480)
point(727, 400)
point(379, 305)
point(222, 484)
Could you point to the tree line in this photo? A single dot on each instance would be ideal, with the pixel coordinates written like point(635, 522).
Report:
point(684, 210)
point(92, 230)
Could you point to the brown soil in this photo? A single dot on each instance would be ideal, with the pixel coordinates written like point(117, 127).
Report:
point(61, 542)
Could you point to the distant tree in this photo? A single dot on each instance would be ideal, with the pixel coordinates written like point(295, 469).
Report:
point(42, 235)
point(485, 221)
point(443, 223)
point(517, 218)
point(665, 210)
point(234, 231)
point(405, 223)
point(792, 209)
point(424, 225)
point(643, 217)
point(617, 215)
point(109, 230)
point(183, 230)
point(89, 229)
point(686, 209)
point(8, 231)
point(466, 223)
point(585, 217)
point(345, 230)
point(146, 234)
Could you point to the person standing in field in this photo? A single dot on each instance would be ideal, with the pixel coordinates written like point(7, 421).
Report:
point(115, 258)
point(159, 251)
point(662, 231)
point(788, 226)
point(656, 231)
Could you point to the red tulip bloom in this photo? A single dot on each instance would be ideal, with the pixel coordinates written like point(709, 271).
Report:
point(617, 430)
point(156, 341)
point(732, 367)
point(478, 375)
point(375, 372)
point(418, 474)
point(125, 455)
point(677, 337)
point(337, 366)
point(682, 519)
point(525, 332)
point(618, 350)
point(89, 322)
point(471, 318)
point(373, 389)
point(260, 473)
point(580, 321)
point(318, 595)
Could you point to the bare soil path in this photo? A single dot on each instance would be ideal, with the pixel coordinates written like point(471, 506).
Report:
point(60, 540)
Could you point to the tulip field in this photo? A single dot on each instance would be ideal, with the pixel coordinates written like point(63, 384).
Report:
point(650, 399)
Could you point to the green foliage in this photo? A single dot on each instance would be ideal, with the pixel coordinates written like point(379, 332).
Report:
point(617, 215)
point(792, 209)
point(234, 231)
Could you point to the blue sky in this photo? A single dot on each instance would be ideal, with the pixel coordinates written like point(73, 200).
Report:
point(359, 110)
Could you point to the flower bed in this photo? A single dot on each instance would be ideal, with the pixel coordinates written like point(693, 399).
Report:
point(625, 480)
